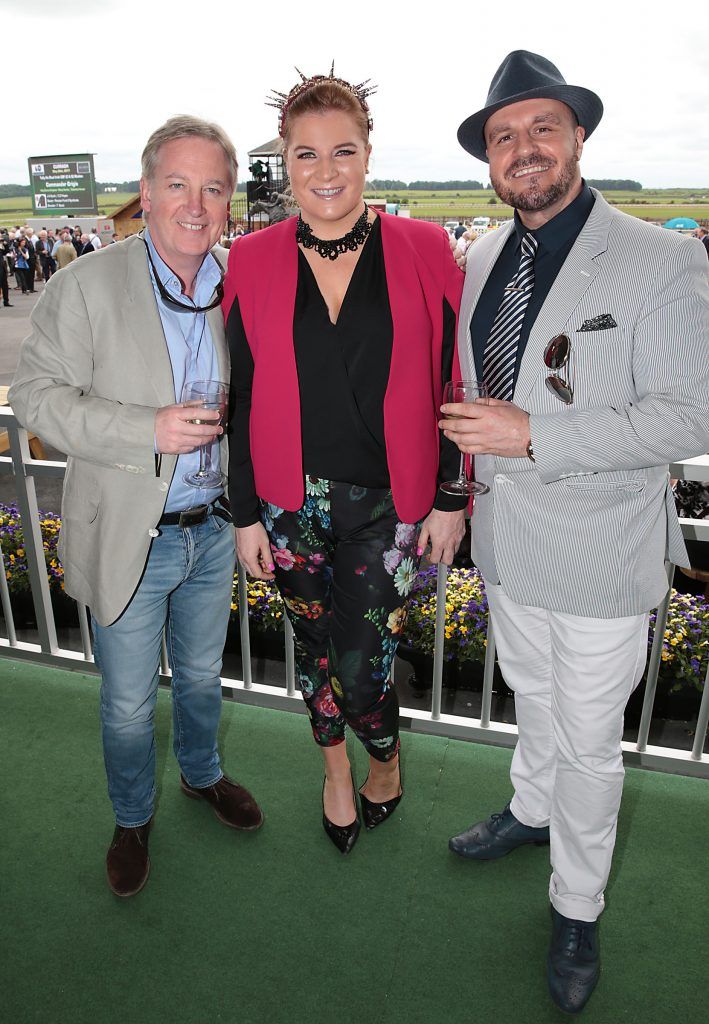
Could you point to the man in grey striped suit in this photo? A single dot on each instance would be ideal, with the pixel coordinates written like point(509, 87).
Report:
point(590, 328)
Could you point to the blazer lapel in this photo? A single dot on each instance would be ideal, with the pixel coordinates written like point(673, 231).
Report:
point(575, 276)
point(401, 270)
point(143, 323)
point(215, 319)
point(477, 271)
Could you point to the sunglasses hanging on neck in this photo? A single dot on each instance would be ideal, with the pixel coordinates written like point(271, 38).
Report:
point(174, 303)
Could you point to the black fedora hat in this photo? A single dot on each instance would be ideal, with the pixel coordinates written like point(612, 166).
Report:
point(528, 76)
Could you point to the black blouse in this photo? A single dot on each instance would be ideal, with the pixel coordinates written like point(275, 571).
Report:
point(343, 371)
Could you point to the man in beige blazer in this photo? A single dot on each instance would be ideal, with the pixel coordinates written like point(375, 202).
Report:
point(114, 339)
point(65, 253)
point(590, 328)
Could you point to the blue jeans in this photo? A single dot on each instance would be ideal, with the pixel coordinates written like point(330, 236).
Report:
point(187, 587)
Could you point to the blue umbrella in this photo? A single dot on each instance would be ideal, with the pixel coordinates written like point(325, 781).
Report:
point(681, 224)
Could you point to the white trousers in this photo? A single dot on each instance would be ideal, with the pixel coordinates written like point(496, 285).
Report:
point(572, 677)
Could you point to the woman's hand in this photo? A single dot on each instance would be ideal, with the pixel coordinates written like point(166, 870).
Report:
point(444, 531)
point(254, 551)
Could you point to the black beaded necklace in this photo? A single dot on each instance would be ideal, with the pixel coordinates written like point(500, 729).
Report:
point(334, 247)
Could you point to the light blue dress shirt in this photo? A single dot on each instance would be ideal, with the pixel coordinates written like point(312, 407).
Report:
point(192, 356)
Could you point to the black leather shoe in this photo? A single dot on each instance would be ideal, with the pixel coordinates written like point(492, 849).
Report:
point(499, 835)
point(373, 813)
point(233, 805)
point(127, 861)
point(574, 962)
point(343, 836)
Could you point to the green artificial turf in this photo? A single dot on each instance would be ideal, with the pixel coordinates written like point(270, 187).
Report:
point(276, 927)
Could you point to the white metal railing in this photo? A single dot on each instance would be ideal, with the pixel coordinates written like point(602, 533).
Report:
point(47, 650)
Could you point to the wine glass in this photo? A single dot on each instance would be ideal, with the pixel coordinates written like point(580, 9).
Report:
point(464, 391)
point(205, 394)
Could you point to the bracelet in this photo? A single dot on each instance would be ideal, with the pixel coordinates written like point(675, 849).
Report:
point(530, 452)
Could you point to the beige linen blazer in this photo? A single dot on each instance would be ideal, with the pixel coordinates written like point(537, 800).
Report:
point(91, 376)
point(586, 528)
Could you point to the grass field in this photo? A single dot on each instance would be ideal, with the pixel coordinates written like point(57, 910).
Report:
point(650, 204)
point(16, 211)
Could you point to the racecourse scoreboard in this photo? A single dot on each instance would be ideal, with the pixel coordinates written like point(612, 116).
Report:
point(63, 184)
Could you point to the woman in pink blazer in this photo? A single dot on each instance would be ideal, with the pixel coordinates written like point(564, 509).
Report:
point(341, 326)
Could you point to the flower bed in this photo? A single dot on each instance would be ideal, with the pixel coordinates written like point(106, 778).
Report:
point(265, 604)
point(13, 549)
point(466, 615)
point(685, 648)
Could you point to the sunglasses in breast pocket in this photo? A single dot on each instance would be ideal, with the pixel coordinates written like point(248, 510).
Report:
point(557, 355)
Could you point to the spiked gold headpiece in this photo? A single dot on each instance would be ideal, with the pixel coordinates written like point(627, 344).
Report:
point(282, 101)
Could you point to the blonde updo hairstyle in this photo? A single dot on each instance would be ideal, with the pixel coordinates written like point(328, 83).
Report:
point(321, 98)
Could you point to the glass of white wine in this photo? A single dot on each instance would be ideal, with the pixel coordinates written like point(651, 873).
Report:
point(205, 394)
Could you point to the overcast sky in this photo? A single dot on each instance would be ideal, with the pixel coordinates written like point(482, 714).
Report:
point(99, 75)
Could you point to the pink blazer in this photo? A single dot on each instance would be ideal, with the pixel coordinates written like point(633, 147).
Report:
point(420, 271)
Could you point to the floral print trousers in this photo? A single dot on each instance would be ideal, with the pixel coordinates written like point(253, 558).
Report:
point(345, 565)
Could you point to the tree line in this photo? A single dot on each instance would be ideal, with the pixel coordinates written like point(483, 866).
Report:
point(15, 191)
point(376, 185)
point(615, 184)
point(392, 184)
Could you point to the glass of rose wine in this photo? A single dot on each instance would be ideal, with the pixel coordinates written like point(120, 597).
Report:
point(457, 391)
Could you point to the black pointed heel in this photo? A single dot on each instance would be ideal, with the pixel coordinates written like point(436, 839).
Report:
point(374, 814)
point(343, 836)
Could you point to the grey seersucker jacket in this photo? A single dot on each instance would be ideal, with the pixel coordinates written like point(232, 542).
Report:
point(586, 528)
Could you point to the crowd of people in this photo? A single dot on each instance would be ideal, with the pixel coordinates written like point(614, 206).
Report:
point(461, 238)
point(578, 338)
point(30, 256)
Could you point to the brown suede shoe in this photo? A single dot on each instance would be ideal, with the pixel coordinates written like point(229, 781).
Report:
point(127, 861)
point(233, 805)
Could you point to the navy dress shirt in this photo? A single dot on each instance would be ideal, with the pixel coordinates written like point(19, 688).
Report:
point(555, 239)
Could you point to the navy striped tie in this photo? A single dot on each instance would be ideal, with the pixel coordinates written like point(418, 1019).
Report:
point(501, 350)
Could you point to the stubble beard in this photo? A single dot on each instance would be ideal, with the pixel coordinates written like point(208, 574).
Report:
point(534, 197)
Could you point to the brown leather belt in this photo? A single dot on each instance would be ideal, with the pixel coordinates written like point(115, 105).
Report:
point(197, 514)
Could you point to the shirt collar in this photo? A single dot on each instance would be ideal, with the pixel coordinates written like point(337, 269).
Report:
point(562, 228)
point(207, 279)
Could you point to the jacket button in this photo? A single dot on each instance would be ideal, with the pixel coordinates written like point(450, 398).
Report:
point(153, 533)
